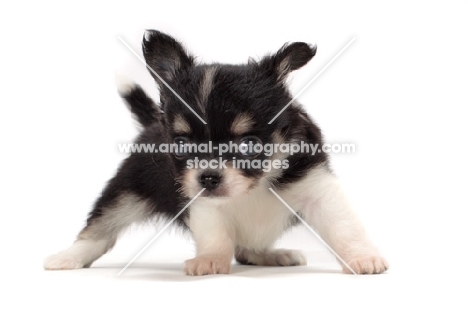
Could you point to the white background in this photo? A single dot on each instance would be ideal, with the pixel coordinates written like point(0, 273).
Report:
point(399, 93)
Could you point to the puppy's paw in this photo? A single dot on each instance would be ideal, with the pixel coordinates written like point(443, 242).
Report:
point(367, 264)
point(277, 257)
point(206, 264)
point(62, 261)
point(284, 257)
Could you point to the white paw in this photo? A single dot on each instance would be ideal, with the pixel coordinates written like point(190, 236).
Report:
point(62, 261)
point(203, 265)
point(367, 264)
point(284, 257)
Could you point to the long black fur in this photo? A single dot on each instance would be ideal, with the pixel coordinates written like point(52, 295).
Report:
point(142, 107)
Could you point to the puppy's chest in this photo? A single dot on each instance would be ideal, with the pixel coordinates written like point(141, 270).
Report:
point(258, 219)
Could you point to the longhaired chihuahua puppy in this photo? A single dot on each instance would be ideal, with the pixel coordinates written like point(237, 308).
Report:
point(235, 212)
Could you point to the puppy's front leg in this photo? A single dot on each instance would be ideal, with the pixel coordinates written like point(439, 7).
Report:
point(214, 238)
point(328, 211)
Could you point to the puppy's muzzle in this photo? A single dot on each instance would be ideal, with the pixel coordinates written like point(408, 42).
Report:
point(210, 180)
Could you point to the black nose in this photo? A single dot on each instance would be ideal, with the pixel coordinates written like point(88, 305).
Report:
point(210, 180)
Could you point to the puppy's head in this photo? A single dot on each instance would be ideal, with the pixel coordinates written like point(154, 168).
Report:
point(209, 106)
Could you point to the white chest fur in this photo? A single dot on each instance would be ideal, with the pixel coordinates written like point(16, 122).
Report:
point(259, 219)
point(254, 221)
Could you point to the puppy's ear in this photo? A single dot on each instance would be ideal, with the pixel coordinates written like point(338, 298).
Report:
point(164, 55)
point(290, 57)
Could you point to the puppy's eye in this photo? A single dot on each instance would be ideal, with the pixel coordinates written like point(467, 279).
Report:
point(250, 146)
point(181, 149)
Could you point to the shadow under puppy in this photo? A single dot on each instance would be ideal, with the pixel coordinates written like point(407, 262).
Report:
point(236, 215)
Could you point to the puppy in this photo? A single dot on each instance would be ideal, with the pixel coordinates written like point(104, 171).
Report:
point(234, 213)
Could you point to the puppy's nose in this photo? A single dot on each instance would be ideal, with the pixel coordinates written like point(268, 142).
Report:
point(210, 180)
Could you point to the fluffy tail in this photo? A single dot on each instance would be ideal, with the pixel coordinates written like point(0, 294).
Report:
point(143, 108)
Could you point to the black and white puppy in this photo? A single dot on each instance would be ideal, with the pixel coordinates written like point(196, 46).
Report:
point(236, 215)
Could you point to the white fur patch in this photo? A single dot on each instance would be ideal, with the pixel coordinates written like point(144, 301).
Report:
point(253, 220)
point(320, 199)
point(206, 87)
point(242, 124)
point(181, 126)
point(123, 83)
point(235, 184)
point(79, 255)
point(190, 184)
point(214, 236)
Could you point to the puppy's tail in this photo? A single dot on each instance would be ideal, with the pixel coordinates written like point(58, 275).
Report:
point(143, 108)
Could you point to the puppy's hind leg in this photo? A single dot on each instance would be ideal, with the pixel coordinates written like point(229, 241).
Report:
point(109, 217)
